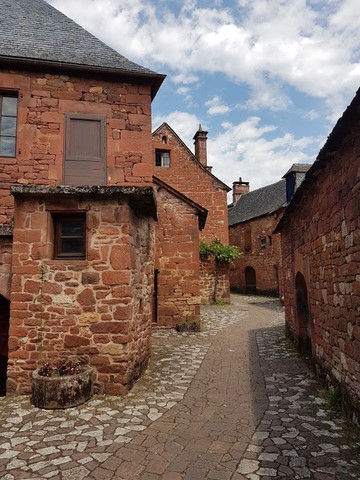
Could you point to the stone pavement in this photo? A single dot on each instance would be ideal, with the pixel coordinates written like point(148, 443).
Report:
point(232, 402)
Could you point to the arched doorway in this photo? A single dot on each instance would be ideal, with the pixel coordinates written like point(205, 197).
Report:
point(250, 280)
point(4, 339)
point(303, 315)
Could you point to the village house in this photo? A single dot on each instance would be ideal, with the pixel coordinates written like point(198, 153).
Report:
point(320, 238)
point(253, 217)
point(190, 174)
point(78, 199)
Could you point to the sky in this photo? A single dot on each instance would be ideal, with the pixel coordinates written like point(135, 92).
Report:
point(267, 79)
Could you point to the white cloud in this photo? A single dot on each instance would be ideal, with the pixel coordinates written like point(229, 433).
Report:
point(183, 123)
point(216, 106)
point(254, 152)
point(311, 46)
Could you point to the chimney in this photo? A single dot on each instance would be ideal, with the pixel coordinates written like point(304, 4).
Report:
point(200, 138)
point(240, 188)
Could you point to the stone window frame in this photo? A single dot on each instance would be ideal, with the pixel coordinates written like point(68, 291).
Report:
point(162, 158)
point(6, 95)
point(58, 218)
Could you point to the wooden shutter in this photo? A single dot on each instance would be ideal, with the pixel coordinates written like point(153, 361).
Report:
point(85, 153)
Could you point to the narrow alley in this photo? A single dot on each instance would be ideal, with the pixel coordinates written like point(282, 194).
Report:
point(232, 402)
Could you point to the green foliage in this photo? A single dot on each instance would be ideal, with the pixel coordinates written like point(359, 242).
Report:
point(223, 253)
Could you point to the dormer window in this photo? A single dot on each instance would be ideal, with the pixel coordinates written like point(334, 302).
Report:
point(162, 158)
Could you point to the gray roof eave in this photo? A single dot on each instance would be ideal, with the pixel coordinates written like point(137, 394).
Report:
point(152, 78)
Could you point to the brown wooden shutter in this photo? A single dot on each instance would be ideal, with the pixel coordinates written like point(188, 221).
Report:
point(85, 153)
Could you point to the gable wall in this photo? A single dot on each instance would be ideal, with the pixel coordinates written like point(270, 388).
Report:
point(321, 240)
point(44, 99)
point(186, 176)
point(265, 261)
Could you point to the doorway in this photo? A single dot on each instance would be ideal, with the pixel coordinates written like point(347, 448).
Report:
point(4, 341)
point(303, 315)
point(250, 280)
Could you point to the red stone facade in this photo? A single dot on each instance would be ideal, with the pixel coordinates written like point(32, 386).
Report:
point(44, 100)
point(259, 268)
point(320, 234)
point(192, 177)
point(177, 260)
point(187, 175)
point(98, 308)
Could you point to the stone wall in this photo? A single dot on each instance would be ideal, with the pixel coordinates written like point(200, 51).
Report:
point(321, 241)
point(188, 177)
point(265, 261)
point(177, 260)
point(214, 281)
point(98, 308)
point(43, 101)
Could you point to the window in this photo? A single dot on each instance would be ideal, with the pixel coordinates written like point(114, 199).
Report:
point(247, 237)
point(8, 114)
point(85, 150)
point(270, 240)
point(69, 235)
point(262, 242)
point(162, 158)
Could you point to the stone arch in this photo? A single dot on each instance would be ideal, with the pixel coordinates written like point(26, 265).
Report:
point(303, 317)
point(250, 280)
point(4, 341)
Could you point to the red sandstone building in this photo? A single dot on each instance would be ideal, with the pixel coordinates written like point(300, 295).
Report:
point(190, 174)
point(78, 197)
point(320, 236)
point(253, 217)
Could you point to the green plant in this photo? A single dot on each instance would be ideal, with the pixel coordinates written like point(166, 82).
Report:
point(222, 253)
point(61, 368)
point(333, 397)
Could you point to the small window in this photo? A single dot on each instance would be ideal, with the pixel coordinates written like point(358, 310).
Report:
point(8, 116)
point(262, 242)
point(247, 237)
point(69, 235)
point(162, 158)
point(270, 240)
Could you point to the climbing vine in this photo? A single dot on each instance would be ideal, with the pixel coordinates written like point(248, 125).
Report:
point(222, 253)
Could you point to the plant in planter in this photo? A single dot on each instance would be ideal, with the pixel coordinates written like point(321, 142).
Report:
point(185, 326)
point(64, 384)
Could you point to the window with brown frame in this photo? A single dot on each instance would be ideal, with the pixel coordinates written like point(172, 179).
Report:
point(69, 235)
point(162, 158)
point(8, 120)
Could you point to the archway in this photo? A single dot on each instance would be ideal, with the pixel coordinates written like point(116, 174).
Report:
point(303, 315)
point(250, 280)
point(4, 339)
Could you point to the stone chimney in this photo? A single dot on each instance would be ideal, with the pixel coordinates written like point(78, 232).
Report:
point(200, 138)
point(239, 188)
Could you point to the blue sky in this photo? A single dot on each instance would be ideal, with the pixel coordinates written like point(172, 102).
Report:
point(267, 78)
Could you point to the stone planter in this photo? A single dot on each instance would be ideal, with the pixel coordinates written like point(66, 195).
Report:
point(61, 391)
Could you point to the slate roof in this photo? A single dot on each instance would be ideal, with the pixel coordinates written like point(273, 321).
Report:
point(34, 32)
point(298, 168)
point(262, 201)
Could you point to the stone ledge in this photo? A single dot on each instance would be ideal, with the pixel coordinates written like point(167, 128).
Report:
point(141, 199)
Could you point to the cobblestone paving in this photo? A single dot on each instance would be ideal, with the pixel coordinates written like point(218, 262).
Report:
point(232, 402)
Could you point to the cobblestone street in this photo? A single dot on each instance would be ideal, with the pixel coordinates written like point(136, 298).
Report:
point(232, 402)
